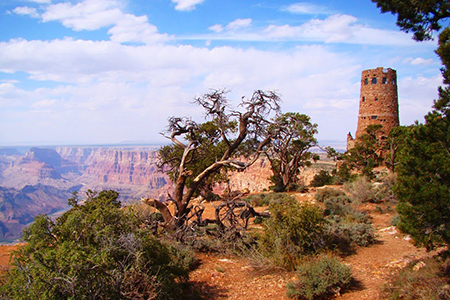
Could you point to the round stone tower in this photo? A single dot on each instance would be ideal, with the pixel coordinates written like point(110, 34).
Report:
point(378, 103)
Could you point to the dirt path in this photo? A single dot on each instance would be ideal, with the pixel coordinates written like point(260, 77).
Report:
point(373, 266)
point(221, 277)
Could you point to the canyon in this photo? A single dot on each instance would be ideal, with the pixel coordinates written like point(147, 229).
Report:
point(41, 180)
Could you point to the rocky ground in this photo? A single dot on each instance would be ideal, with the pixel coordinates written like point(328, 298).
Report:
point(230, 277)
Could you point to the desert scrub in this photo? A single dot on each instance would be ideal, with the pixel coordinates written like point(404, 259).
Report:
point(95, 251)
point(327, 193)
point(361, 190)
point(347, 227)
point(421, 280)
point(264, 199)
point(319, 277)
point(292, 231)
point(322, 178)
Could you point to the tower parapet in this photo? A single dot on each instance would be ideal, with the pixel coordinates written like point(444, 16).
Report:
point(378, 103)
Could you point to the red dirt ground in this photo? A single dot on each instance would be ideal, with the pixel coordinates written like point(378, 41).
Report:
point(226, 277)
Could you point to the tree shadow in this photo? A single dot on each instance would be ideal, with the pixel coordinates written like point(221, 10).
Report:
point(354, 286)
point(202, 290)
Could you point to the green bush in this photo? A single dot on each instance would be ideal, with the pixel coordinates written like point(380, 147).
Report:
point(337, 205)
point(318, 278)
point(361, 190)
point(264, 199)
point(321, 179)
point(327, 193)
point(95, 251)
point(344, 235)
point(347, 226)
point(292, 231)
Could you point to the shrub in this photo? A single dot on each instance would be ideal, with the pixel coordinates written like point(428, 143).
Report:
point(337, 205)
point(361, 190)
point(344, 235)
point(264, 199)
point(321, 179)
point(327, 193)
point(347, 226)
point(95, 251)
point(384, 191)
point(293, 230)
point(318, 278)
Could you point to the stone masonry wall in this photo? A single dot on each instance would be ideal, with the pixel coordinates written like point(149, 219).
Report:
point(378, 103)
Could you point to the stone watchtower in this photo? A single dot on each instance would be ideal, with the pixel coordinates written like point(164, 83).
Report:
point(378, 103)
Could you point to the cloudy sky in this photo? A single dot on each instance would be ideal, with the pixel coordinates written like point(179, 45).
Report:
point(113, 71)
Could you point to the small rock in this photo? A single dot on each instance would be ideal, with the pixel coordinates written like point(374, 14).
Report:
point(419, 266)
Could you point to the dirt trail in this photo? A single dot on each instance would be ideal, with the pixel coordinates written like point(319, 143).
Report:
point(221, 277)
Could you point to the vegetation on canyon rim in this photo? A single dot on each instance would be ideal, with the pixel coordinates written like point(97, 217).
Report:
point(100, 251)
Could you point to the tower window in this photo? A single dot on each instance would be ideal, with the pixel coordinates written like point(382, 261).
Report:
point(363, 99)
point(393, 81)
point(374, 80)
point(384, 80)
point(374, 117)
point(376, 99)
point(366, 81)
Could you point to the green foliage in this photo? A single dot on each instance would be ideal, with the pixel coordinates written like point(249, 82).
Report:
point(361, 190)
point(265, 199)
point(421, 17)
point(423, 184)
point(342, 174)
point(365, 155)
point(420, 280)
point(210, 148)
point(94, 251)
point(318, 278)
point(292, 138)
point(321, 179)
point(423, 150)
point(347, 226)
point(292, 231)
point(327, 193)
point(423, 157)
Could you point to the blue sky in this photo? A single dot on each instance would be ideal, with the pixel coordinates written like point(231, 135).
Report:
point(112, 71)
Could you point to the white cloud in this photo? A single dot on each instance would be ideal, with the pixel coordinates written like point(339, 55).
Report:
point(416, 95)
point(216, 28)
point(337, 29)
point(232, 26)
point(239, 23)
point(186, 5)
point(140, 86)
point(86, 15)
point(96, 14)
point(306, 8)
point(333, 29)
point(418, 61)
point(24, 10)
point(44, 103)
